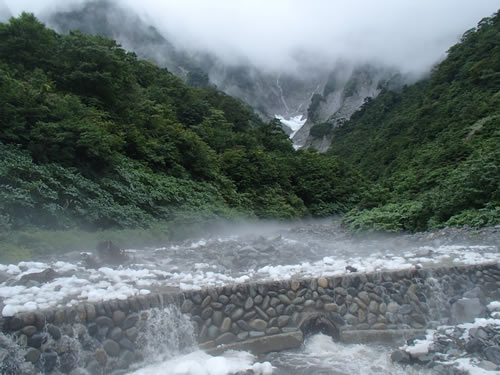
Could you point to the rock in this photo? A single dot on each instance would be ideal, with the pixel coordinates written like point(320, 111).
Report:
point(41, 277)
point(242, 336)
point(258, 324)
point(110, 253)
point(400, 356)
point(132, 333)
point(28, 318)
point(226, 325)
point(104, 321)
point(271, 312)
point(187, 306)
point(223, 299)
point(361, 316)
point(206, 302)
point(118, 317)
point(476, 293)
point(351, 319)
point(213, 331)
point(54, 331)
point(337, 319)
point(217, 317)
point(229, 308)
point(248, 303)
point(243, 325)
point(15, 323)
point(29, 330)
point(126, 344)
point(111, 347)
point(382, 308)
point(295, 285)
point(284, 299)
point(273, 331)
point(330, 307)
point(101, 356)
point(67, 362)
point(283, 320)
point(371, 318)
point(225, 338)
point(116, 334)
point(466, 310)
point(237, 314)
point(249, 315)
point(492, 354)
point(405, 309)
point(323, 282)
point(37, 340)
point(216, 305)
point(49, 360)
point(373, 307)
point(130, 321)
point(392, 307)
point(32, 355)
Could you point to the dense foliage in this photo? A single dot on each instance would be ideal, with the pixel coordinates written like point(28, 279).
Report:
point(93, 137)
point(433, 148)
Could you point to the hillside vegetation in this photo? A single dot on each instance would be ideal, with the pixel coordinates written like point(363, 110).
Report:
point(434, 147)
point(93, 137)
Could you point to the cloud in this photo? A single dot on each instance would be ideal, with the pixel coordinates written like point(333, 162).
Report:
point(287, 34)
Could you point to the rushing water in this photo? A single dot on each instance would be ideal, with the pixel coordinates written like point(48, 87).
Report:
point(239, 254)
point(168, 345)
point(318, 355)
point(321, 355)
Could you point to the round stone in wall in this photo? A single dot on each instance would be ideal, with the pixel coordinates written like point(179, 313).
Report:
point(323, 282)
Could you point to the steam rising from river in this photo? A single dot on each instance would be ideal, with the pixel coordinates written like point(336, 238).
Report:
point(235, 254)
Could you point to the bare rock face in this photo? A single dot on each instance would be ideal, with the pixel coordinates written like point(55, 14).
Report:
point(346, 90)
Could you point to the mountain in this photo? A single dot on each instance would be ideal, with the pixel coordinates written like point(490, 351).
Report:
point(346, 89)
point(270, 94)
point(109, 19)
point(94, 137)
point(433, 146)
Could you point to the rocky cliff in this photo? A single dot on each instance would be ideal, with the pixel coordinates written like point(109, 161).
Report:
point(346, 90)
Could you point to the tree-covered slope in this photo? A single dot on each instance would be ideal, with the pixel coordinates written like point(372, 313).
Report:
point(93, 137)
point(435, 146)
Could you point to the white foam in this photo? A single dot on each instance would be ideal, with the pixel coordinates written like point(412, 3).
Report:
point(420, 347)
point(494, 306)
point(201, 363)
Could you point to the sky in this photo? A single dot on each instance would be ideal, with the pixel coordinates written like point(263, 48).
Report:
point(287, 34)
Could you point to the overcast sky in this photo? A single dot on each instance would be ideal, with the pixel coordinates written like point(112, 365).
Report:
point(409, 34)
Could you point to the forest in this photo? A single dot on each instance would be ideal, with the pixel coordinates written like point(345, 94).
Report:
point(433, 148)
point(93, 138)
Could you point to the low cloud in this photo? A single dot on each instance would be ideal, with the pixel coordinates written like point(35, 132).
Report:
point(286, 35)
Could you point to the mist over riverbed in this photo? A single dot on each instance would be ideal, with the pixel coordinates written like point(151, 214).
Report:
point(228, 254)
point(239, 253)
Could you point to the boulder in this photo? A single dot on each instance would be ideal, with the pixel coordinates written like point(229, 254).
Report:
point(40, 277)
point(466, 310)
point(109, 252)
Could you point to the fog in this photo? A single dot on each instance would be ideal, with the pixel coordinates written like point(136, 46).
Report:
point(285, 35)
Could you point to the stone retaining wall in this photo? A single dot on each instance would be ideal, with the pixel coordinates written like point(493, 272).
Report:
point(103, 337)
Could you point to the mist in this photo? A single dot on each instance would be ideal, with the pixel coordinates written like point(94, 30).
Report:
point(288, 35)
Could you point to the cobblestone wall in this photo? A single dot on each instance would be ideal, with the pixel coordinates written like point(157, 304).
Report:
point(103, 337)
